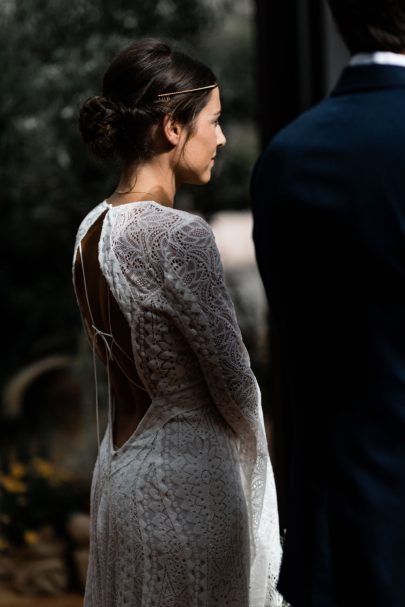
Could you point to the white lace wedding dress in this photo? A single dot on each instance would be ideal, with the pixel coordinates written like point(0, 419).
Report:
point(184, 514)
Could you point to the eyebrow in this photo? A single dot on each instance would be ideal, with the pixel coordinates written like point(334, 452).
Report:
point(217, 113)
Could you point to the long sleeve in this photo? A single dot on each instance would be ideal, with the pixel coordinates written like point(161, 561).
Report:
point(203, 311)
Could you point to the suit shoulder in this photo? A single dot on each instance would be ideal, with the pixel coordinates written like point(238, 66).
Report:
point(305, 122)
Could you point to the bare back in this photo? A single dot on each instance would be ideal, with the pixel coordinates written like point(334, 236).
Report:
point(102, 319)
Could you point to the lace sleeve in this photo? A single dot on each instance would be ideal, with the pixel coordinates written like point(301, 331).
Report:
point(205, 314)
point(203, 311)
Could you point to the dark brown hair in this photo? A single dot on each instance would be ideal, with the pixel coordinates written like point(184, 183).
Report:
point(120, 122)
point(371, 25)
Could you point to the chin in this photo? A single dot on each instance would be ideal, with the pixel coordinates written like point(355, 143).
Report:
point(203, 179)
point(194, 178)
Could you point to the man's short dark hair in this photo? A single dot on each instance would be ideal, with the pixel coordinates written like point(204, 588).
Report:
point(371, 25)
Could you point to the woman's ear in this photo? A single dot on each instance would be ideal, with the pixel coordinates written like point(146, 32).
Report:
point(172, 129)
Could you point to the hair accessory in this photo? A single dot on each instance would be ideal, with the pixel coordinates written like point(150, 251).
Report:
point(200, 88)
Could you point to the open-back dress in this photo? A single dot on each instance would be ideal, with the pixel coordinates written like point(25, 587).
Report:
point(184, 513)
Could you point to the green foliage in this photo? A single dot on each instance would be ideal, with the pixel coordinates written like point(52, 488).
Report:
point(53, 55)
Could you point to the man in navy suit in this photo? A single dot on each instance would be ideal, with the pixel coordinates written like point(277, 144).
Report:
point(329, 210)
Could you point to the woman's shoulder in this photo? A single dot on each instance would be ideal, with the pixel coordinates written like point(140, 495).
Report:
point(191, 231)
point(150, 216)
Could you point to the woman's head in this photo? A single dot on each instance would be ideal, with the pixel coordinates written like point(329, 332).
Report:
point(124, 121)
point(371, 25)
point(197, 150)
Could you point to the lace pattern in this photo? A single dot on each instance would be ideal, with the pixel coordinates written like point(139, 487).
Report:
point(188, 505)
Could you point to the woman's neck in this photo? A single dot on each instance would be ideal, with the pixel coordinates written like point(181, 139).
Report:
point(151, 181)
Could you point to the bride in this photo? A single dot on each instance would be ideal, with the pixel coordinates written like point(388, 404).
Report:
point(183, 504)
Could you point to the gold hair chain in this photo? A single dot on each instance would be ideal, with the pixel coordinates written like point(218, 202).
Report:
point(200, 88)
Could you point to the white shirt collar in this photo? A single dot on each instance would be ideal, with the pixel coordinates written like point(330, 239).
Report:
point(379, 57)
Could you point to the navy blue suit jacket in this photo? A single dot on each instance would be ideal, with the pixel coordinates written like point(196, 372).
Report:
point(329, 230)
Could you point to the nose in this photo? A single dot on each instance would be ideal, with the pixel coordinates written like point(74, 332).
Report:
point(221, 139)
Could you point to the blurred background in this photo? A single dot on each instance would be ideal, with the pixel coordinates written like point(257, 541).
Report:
point(273, 59)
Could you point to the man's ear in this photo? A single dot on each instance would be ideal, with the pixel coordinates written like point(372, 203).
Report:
point(172, 129)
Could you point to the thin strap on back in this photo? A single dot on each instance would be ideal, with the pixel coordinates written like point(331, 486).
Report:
point(93, 348)
point(104, 336)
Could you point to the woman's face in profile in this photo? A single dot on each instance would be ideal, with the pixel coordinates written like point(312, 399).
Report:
point(199, 151)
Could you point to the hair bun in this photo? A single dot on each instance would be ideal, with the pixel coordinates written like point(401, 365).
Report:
point(99, 123)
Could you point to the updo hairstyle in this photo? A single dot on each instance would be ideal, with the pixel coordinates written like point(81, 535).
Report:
point(120, 122)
